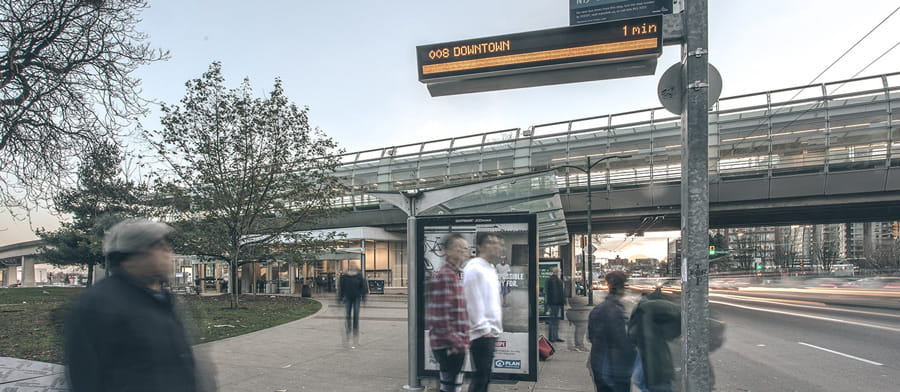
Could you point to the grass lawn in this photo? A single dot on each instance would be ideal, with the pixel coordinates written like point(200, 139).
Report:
point(31, 318)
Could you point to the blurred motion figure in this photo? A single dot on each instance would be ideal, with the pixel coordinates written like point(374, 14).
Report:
point(612, 354)
point(123, 334)
point(448, 321)
point(556, 299)
point(483, 304)
point(654, 322)
point(352, 290)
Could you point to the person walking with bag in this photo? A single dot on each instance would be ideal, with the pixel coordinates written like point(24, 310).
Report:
point(447, 319)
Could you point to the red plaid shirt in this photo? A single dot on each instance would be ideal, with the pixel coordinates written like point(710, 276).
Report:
point(447, 318)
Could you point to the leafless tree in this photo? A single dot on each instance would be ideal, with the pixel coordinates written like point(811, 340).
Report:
point(66, 85)
point(886, 257)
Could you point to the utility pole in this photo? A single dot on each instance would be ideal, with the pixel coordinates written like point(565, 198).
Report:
point(695, 198)
point(588, 263)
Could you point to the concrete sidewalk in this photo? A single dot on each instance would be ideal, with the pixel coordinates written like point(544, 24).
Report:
point(308, 355)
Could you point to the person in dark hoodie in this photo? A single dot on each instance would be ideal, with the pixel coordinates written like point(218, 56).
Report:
point(654, 322)
point(123, 334)
point(612, 354)
point(352, 290)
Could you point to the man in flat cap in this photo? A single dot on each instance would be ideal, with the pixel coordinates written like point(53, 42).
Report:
point(123, 333)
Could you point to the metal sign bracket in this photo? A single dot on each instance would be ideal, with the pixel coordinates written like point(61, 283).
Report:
point(696, 85)
point(698, 52)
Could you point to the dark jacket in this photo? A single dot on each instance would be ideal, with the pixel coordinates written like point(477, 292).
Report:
point(353, 287)
point(654, 322)
point(121, 337)
point(555, 294)
point(612, 354)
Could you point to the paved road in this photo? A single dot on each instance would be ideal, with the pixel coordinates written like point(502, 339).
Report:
point(804, 344)
point(793, 344)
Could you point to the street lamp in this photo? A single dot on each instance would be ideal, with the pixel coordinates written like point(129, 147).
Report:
point(589, 267)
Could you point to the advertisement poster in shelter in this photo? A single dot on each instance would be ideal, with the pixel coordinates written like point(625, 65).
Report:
point(515, 355)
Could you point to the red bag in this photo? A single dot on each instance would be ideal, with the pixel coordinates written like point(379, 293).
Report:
point(545, 349)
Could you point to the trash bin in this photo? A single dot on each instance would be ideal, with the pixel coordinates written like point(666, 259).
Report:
point(306, 291)
point(376, 286)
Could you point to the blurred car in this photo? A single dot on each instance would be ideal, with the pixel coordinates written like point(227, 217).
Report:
point(827, 282)
point(722, 283)
point(881, 282)
point(599, 285)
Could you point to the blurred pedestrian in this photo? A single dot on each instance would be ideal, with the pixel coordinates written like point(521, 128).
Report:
point(612, 354)
point(503, 271)
point(448, 320)
point(482, 290)
point(654, 322)
point(123, 334)
point(352, 290)
point(556, 299)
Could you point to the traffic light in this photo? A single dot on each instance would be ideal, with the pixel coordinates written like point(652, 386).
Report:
point(712, 250)
point(895, 229)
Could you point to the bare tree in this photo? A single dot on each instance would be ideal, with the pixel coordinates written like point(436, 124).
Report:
point(66, 85)
point(785, 255)
point(886, 257)
point(823, 251)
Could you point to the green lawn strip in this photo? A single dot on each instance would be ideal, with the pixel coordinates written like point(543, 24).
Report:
point(31, 319)
point(211, 318)
point(31, 322)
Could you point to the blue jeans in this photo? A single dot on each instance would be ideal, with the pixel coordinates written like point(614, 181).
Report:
point(641, 382)
point(555, 315)
point(352, 315)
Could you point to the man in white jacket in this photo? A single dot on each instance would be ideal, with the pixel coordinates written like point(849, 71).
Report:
point(482, 291)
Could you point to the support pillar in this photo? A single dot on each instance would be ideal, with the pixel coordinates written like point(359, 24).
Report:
point(27, 272)
point(11, 277)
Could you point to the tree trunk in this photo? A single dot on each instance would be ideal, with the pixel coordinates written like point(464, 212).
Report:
point(232, 287)
point(90, 273)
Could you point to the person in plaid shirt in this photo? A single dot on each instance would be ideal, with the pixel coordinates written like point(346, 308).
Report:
point(448, 320)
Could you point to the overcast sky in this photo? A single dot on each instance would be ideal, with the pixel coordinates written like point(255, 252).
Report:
point(353, 62)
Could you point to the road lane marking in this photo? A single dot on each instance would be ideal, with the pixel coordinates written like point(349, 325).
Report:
point(842, 354)
point(771, 300)
point(821, 306)
point(876, 326)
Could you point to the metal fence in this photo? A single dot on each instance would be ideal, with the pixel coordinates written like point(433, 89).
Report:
point(821, 128)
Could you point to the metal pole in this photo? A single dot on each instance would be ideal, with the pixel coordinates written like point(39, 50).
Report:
point(413, 300)
point(695, 200)
point(589, 284)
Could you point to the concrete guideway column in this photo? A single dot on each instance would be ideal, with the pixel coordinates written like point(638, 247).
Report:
point(27, 271)
point(11, 276)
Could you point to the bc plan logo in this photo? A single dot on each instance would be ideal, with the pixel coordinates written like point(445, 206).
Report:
point(508, 364)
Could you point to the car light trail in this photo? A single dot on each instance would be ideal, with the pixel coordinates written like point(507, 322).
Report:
point(809, 316)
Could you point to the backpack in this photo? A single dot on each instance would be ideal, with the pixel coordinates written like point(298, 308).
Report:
point(545, 349)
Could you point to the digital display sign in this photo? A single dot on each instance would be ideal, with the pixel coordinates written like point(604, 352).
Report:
point(566, 47)
point(593, 11)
